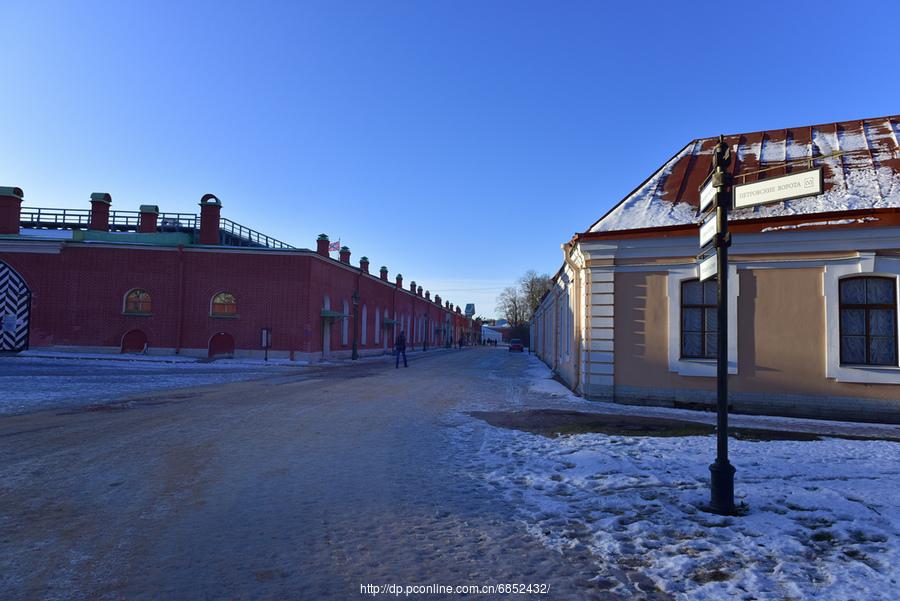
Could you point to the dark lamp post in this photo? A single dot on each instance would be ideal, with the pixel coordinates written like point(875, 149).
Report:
point(721, 472)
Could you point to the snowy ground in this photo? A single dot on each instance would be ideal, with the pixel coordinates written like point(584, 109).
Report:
point(35, 383)
point(821, 519)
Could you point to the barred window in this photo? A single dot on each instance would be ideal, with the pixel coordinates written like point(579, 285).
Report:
point(699, 315)
point(223, 305)
point(138, 301)
point(868, 321)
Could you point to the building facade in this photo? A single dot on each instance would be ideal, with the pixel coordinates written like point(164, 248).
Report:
point(813, 284)
point(102, 280)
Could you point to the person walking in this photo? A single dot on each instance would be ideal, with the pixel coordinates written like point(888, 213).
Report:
point(400, 347)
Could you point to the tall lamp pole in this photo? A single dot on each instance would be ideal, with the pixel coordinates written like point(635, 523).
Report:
point(355, 298)
point(721, 471)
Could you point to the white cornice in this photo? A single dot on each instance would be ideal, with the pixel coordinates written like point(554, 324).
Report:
point(836, 239)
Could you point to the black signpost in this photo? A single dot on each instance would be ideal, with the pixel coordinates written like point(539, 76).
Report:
point(721, 471)
point(718, 193)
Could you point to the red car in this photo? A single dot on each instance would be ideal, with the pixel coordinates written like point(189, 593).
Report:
point(516, 345)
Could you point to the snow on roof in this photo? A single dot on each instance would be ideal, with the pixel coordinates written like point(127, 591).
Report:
point(46, 233)
point(860, 160)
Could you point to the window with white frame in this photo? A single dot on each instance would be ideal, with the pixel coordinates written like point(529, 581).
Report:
point(699, 312)
point(868, 320)
point(702, 365)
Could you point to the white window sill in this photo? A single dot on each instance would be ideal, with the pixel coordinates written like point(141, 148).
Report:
point(701, 368)
point(867, 374)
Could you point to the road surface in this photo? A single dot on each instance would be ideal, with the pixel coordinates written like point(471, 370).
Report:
point(301, 485)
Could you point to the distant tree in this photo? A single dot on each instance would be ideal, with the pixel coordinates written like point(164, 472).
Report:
point(533, 286)
point(511, 306)
point(516, 304)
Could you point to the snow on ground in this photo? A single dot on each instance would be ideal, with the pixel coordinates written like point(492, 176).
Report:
point(36, 383)
point(821, 519)
point(163, 361)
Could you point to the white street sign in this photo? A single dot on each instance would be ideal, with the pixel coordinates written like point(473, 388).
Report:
point(795, 185)
point(707, 194)
point(708, 231)
point(708, 268)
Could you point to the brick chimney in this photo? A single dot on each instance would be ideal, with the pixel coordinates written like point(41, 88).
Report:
point(322, 243)
point(428, 295)
point(419, 291)
point(446, 304)
point(149, 214)
point(384, 272)
point(399, 280)
point(437, 299)
point(10, 209)
point(364, 264)
point(100, 202)
point(345, 254)
point(210, 210)
point(412, 286)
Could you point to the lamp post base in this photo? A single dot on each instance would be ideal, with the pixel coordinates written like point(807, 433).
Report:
point(721, 490)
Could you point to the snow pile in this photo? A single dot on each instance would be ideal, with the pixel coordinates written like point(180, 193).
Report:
point(541, 382)
point(822, 518)
point(643, 208)
point(818, 224)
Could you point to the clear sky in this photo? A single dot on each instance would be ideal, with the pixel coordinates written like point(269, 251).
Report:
point(459, 143)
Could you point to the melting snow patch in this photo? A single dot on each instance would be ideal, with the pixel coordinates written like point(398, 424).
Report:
point(822, 519)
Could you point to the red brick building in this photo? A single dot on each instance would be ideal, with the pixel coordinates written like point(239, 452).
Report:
point(102, 280)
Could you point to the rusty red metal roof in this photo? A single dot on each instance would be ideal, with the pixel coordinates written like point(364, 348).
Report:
point(860, 161)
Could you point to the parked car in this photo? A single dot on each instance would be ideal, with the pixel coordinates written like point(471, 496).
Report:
point(516, 345)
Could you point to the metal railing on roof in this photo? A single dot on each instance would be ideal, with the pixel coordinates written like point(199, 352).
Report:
point(252, 237)
point(232, 234)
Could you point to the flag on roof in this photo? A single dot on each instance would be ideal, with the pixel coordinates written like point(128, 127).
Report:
point(334, 246)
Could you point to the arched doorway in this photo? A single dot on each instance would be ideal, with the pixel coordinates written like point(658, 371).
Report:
point(15, 308)
point(221, 345)
point(134, 341)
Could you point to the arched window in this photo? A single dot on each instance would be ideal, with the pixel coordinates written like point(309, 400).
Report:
point(868, 321)
point(377, 325)
point(137, 301)
point(699, 328)
point(223, 305)
point(345, 325)
point(365, 325)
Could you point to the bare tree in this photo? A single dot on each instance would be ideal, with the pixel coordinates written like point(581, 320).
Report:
point(511, 305)
point(532, 287)
point(517, 303)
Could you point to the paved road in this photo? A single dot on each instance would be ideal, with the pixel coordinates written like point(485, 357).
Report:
point(289, 487)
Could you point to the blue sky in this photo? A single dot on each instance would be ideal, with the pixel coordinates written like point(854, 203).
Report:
point(459, 143)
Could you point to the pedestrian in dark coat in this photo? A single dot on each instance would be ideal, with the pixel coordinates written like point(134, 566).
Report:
point(400, 347)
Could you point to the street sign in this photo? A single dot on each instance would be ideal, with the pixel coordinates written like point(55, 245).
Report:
point(708, 268)
point(708, 230)
point(777, 189)
point(707, 194)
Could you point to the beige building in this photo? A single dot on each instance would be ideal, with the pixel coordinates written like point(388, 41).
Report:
point(813, 284)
